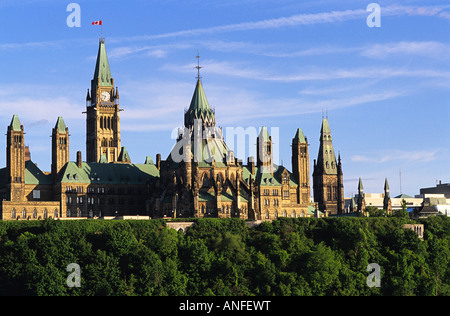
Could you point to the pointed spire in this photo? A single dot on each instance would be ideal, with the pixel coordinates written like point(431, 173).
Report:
point(264, 134)
point(198, 67)
point(124, 156)
point(15, 123)
point(102, 73)
point(60, 125)
point(386, 188)
point(88, 99)
point(299, 137)
point(325, 128)
point(360, 186)
point(199, 108)
point(326, 158)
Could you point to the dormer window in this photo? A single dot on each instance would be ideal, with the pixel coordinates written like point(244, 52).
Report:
point(285, 178)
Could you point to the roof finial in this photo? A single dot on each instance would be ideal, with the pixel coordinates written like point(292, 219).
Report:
point(198, 65)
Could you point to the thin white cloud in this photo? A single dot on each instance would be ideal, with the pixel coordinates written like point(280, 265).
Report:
point(399, 155)
point(294, 20)
point(428, 48)
point(300, 20)
point(242, 71)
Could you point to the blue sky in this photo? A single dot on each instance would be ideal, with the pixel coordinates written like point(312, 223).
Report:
point(274, 63)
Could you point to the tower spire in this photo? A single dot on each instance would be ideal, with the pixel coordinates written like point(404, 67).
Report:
point(198, 67)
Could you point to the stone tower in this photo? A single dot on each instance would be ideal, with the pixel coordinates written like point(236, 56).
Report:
point(264, 154)
point(327, 175)
point(300, 166)
point(102, 109)
point(60, 147)
point(15, 160)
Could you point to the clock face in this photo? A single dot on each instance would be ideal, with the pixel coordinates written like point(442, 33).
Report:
point(105, 96)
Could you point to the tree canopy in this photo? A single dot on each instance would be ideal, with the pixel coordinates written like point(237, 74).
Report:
point(289, 256)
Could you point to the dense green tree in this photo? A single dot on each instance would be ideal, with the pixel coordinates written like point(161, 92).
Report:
point(290, 256)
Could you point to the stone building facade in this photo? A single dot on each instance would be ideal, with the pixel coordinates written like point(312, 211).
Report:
point(201, 177)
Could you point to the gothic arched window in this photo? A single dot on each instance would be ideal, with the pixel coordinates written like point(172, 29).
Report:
point(205, 181)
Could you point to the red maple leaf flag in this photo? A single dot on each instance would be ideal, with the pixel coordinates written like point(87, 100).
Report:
point(97, 22)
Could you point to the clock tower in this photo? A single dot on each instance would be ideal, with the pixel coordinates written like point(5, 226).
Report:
point(102, 110)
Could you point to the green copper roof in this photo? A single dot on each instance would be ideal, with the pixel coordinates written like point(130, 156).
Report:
point(299, 137)
point(403, 196)
point(15, 123)
point(108, 173)
point(102, 74)
point(199, 108)
point(60, 125)
point(124, 156)
point(360, 185)
point(34, 175)
point(326, 158)
point(148, 160)
point(267, 179)
point(325, 126)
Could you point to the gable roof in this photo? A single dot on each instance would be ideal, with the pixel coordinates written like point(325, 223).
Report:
point(34, 175)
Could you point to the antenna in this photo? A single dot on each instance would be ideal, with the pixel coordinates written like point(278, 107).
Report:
point(400, 174)
point(198, 67)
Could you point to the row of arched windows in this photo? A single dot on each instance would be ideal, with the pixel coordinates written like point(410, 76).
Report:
point(106, 122)
point(34, 214)
point(107, 143)
point(220, 178)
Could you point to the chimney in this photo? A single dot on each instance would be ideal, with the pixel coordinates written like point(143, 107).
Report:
point(79, 161)
point(27, 153)
point(251, 164)
point(158, 161)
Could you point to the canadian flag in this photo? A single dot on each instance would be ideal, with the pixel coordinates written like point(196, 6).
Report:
point(97, 22)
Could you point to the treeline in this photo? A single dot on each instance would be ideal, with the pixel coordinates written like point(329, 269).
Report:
point(304, 256)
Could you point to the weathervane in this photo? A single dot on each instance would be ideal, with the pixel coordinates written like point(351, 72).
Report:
point(198, 65)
